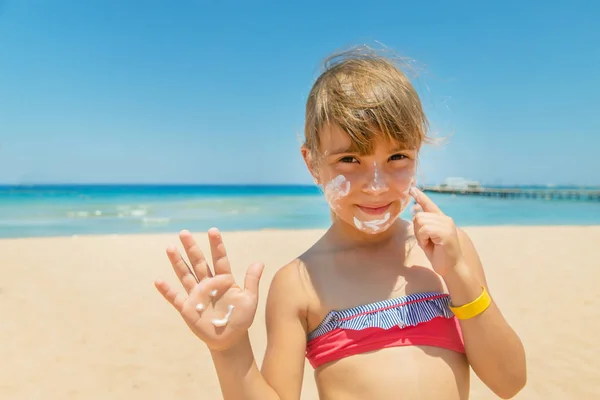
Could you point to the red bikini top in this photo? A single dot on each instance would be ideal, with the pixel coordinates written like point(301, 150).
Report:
point(417, 319)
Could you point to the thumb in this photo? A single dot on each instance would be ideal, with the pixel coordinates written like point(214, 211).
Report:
point(253, 278)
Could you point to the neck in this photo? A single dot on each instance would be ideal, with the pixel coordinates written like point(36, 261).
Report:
point(347, 236)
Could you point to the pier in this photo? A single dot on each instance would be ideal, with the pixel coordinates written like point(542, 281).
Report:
point(545, 194)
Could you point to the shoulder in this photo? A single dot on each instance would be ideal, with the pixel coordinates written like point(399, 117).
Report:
point(290, 274)
point(288, 288)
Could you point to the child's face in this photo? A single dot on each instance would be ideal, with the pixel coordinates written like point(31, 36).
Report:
point(366, 191)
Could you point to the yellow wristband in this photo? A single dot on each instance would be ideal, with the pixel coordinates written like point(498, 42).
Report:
point(473, 308)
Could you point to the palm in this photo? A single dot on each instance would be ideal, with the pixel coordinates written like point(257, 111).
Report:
point(201, 323)
point(216, 309)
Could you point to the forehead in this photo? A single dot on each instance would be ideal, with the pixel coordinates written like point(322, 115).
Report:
point(334, 139)
point(332, 136)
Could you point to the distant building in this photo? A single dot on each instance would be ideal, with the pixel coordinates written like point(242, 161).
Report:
point(458, 183)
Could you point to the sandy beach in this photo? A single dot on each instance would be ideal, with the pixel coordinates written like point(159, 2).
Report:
point(81, 318)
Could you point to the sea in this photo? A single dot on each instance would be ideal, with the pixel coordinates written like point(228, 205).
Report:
point(70, 210)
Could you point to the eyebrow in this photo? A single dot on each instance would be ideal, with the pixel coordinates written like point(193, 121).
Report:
point(342, 150)
point(400, 148)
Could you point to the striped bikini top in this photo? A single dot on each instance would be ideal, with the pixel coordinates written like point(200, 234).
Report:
point(417, 319)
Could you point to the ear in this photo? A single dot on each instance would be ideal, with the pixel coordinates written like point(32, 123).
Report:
point(309, 160)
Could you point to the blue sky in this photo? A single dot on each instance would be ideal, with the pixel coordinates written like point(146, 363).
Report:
point(199, 91)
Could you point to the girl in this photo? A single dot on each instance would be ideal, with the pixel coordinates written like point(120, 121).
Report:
point(377, 316)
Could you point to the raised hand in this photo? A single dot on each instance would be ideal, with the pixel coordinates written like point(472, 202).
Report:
point(436, 234)
point(215, 308)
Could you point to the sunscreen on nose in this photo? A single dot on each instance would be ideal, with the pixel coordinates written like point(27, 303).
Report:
point(377, 183)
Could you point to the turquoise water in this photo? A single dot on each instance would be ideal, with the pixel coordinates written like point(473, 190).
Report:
point(78, 210)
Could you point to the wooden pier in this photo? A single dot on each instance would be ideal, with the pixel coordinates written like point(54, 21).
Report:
point(545, 194)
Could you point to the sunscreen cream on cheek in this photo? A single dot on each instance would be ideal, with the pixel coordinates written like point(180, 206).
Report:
point(336, 189)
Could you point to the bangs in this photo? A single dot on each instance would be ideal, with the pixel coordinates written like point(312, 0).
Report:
point(368, 98)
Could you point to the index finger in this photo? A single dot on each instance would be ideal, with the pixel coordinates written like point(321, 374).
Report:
point(195, 255)
point(219, 255)
point(424, 201)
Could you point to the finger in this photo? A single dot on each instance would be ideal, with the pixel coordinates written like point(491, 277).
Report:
point(441, 224)
point(424, 201)
point(182, 270)
point(422, 235)
point(424, 217)
point(219, 255)
point(251, 283)
point(176, 299)
point(416, 224)
point(195, 255)
point(430, 233)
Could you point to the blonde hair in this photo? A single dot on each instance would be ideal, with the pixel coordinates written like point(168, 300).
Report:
point(366, 95)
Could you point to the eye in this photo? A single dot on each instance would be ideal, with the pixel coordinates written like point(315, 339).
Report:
point(348, 159)
point(398, 157)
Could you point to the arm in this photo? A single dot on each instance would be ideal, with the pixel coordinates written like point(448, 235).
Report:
point(493, 349)
point(283, 364)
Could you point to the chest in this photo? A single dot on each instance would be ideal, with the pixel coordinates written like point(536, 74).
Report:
point(350, 280)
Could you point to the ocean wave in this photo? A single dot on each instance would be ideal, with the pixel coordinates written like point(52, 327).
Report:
point(120, 212)
point(138, 210)
point(28, 222)
point(78, 214)
point(156, 220)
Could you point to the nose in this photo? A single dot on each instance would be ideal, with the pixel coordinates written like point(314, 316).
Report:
point(377, 184)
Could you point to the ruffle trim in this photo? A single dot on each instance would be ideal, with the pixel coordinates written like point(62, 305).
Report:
point(403, 311)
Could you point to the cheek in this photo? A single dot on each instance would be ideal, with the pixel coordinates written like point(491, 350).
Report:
point(336, 191)
point(403, 180)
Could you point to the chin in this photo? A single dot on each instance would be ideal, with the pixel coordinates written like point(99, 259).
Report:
point(375, 224)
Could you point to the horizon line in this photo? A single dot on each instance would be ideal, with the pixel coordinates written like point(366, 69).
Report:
point(199, 184)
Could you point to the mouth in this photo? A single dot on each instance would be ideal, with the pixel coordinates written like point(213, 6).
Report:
point(374, 209)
